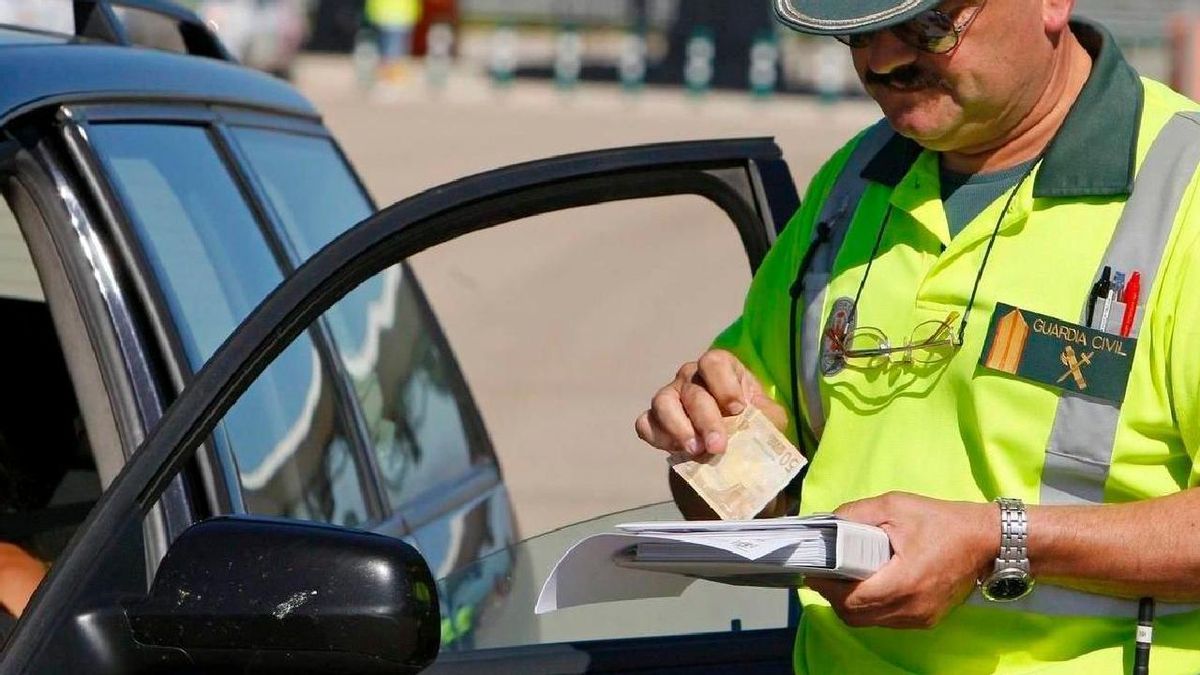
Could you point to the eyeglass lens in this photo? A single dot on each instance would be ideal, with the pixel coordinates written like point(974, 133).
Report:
point(930, 342)
point(931, 31)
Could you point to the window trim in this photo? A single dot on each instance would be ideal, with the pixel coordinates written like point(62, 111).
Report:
point(196, 113)
point(426, 507)
point(396, 520)
point(71, 244)
point(165, 347)
point(269, 223)
point(218, 470)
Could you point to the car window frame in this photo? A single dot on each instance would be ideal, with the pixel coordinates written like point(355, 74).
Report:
point(746, 178)
point(218, 468)
point(406, 517)
point(69, 243)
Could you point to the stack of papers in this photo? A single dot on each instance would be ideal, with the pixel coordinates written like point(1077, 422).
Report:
point(651, 560)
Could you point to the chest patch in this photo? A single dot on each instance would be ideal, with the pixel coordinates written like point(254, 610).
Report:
point(1064, 355)
point(841, 321)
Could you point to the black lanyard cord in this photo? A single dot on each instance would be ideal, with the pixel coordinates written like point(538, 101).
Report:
point(962, 328)
point(887, 217)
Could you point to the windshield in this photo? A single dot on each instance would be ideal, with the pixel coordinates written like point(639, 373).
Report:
point(495, 598)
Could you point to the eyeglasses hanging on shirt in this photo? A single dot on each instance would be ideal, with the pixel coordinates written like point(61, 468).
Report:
point(930, 342)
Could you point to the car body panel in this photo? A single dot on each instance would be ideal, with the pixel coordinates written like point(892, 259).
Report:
point(38, 75)
point(470, 503)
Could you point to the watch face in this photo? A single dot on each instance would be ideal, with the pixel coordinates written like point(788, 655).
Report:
point(1008, 585)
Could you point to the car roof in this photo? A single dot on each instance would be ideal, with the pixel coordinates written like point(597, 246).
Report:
point(39, 69)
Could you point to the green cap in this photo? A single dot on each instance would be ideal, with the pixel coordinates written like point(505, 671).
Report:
point(844, 17)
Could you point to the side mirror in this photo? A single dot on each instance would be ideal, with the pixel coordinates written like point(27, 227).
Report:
point(256, 595)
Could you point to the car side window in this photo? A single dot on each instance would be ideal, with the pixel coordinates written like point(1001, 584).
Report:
point(404, 376)
point(213, 265)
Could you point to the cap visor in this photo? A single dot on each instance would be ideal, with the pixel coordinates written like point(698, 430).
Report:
point(846, 17)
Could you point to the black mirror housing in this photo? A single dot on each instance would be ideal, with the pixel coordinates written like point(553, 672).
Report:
point(260, 595)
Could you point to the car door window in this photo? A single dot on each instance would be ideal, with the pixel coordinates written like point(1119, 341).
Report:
point(404, 376)
point(533, 343)
point(565, 351)
point(213, 265)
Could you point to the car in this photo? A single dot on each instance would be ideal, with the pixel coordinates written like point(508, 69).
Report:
point(245, 442)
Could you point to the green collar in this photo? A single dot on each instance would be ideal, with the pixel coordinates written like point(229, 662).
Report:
point(1094, 151)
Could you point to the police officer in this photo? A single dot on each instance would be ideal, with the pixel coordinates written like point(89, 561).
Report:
point(982, 326)
point(395, 20)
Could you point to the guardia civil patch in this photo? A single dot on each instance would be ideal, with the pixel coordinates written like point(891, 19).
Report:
point(841, 321)
point(1064, 355)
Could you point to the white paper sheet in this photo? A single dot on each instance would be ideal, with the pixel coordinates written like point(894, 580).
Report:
point(587, 575)
point(761, 524)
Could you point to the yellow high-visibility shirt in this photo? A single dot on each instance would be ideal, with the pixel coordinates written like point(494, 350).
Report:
point(959, 431)
point(393, 13)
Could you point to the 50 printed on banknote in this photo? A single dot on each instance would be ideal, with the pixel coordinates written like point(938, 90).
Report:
point(757, 464)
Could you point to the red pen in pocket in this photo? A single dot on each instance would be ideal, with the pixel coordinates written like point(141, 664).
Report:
point(1133, 292)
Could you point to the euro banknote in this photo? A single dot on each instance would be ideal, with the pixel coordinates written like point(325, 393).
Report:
point(757, 464)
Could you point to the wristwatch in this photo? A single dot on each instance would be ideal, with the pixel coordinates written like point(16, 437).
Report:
point(1010, 579)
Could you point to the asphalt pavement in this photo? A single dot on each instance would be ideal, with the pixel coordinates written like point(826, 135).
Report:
point(566, 324)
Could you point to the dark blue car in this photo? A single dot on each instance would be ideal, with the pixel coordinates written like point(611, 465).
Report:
point(233, 424)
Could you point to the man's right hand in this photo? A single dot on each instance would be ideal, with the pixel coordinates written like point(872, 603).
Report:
point(686, 415)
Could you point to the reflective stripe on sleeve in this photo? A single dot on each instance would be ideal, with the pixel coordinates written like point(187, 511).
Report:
point(1080, 450)
point(1059, 601)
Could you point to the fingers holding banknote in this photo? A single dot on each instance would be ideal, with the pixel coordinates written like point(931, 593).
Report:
point(687, 414)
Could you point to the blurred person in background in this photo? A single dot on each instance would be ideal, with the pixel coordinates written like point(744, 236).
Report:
point(394, 20)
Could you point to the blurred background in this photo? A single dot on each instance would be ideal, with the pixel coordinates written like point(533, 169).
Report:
point(692, 43)
point(696, 44)
point(565, 325)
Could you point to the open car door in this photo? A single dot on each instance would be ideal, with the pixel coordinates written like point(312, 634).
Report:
point(249, 594)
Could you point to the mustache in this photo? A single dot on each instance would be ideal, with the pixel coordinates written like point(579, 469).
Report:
point(906, 77)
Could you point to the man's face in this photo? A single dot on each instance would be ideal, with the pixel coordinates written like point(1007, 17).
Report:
point(966, 98)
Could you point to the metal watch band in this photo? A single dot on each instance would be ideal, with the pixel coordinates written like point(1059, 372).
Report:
point(1014, 535)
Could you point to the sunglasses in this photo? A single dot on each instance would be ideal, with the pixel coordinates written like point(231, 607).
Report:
point(932, 31)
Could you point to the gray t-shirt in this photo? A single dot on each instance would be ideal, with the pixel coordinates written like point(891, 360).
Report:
point(965, 196)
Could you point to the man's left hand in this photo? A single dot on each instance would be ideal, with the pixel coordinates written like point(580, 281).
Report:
point(939, 550)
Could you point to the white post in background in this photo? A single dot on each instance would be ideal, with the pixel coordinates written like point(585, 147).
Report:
point(631, 65)
point(366, 58)
point(764, 66)
point(503, 61)
point(698, 67)
point(440, 56)
point(829, 71)
point(568, 57)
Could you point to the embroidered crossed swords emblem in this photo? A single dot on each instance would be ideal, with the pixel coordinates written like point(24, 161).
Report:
point(1075, 366)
